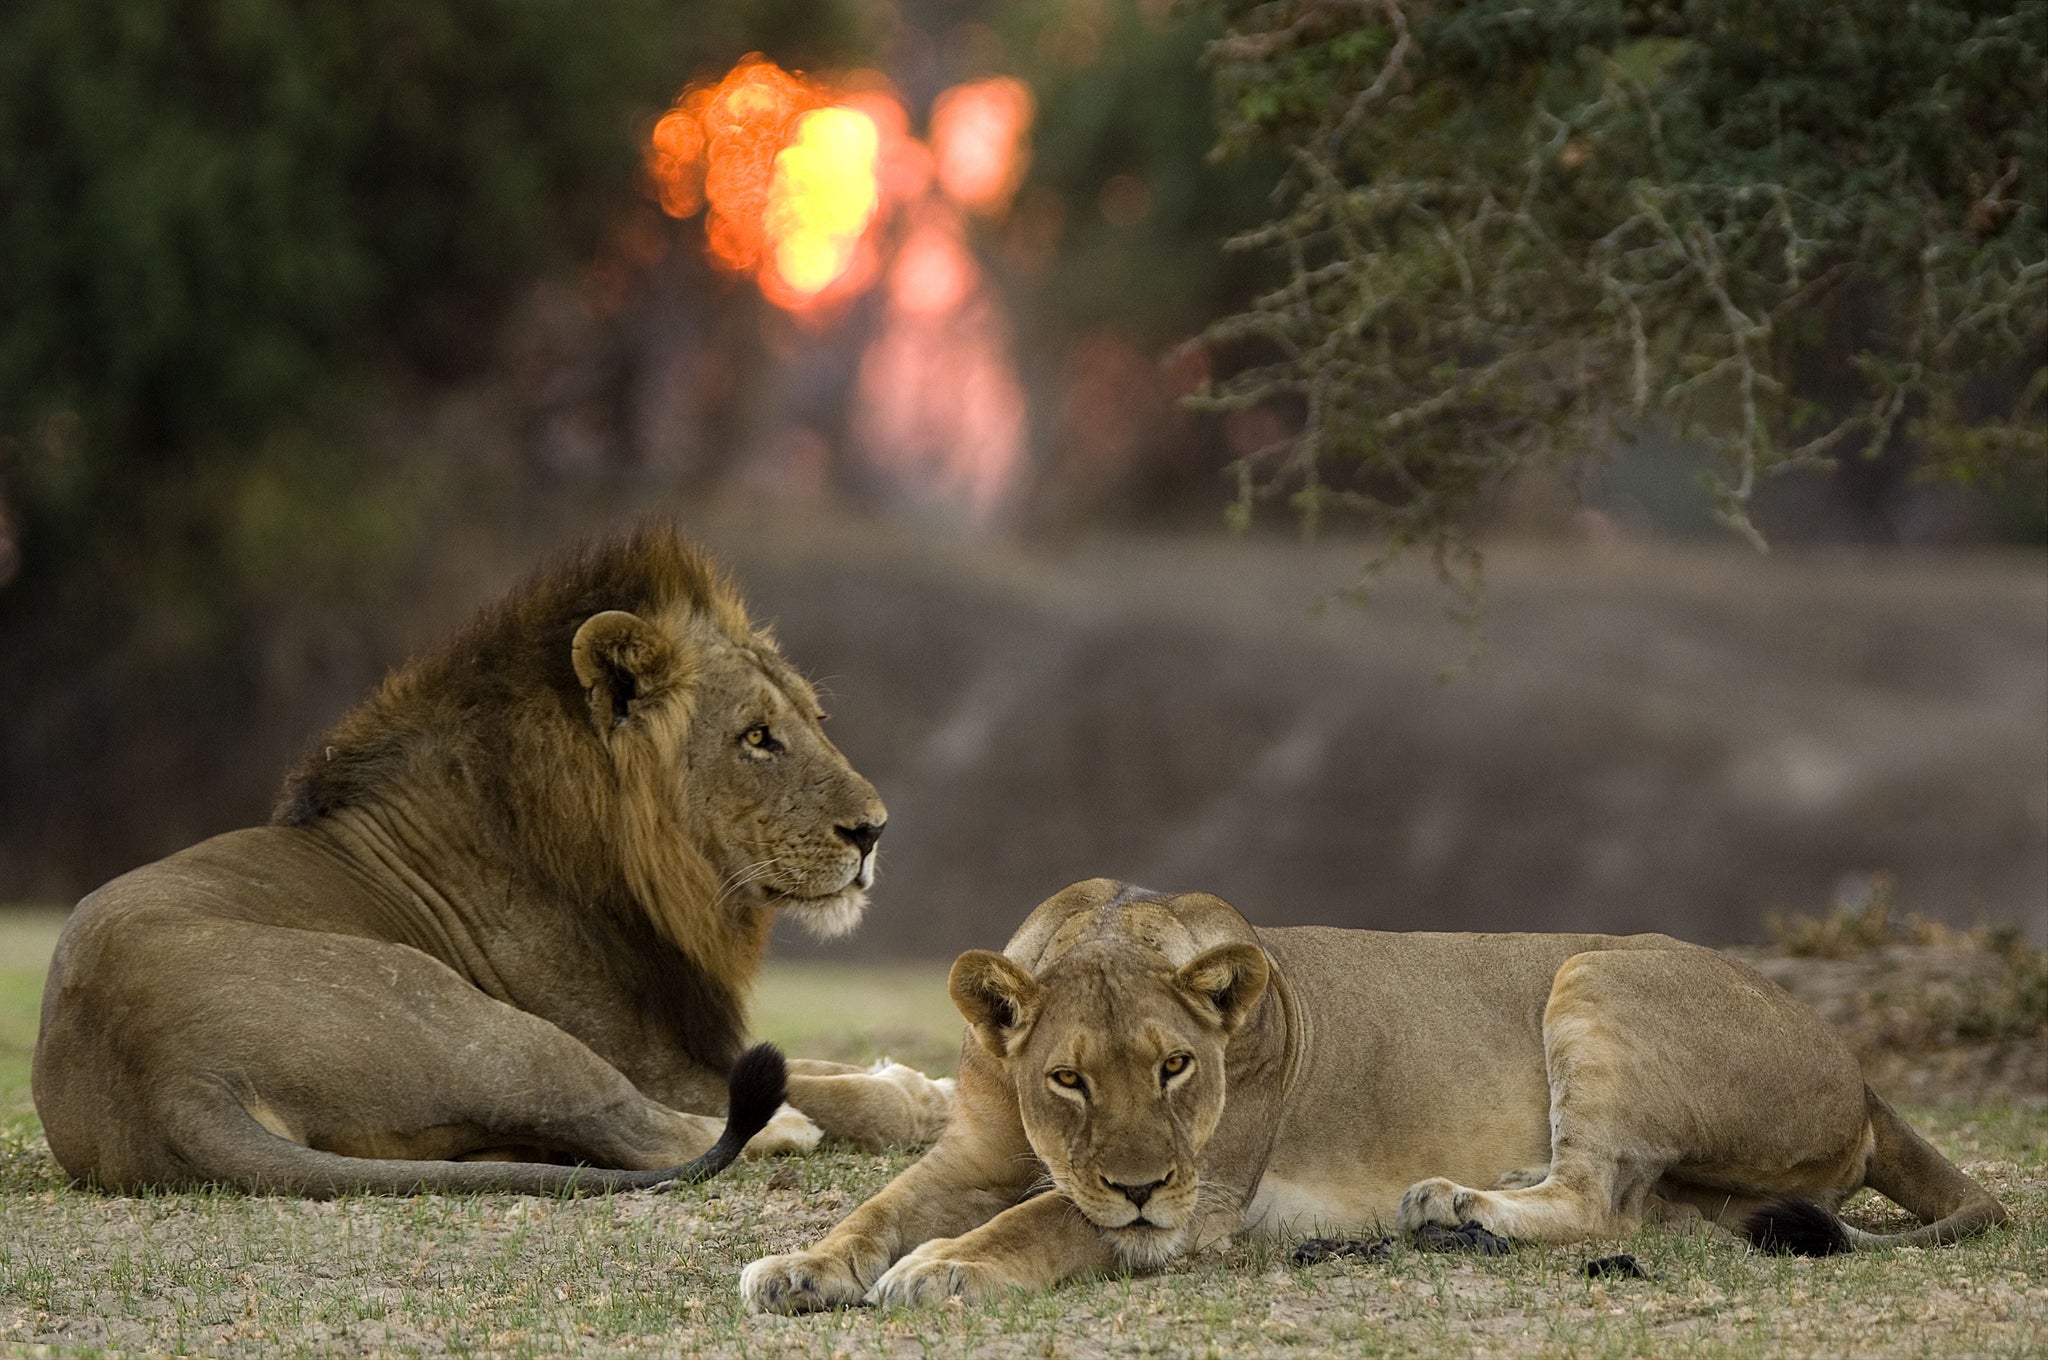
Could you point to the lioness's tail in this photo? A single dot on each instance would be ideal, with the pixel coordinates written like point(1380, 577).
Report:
point(1904, 1168)
point(235, 1150)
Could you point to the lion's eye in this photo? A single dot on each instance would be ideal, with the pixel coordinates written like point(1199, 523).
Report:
point(759, 738)
point(1068, 1079)
point(1173, 1067)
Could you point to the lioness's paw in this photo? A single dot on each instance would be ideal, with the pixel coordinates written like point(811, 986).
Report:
point(930, 1100)
point(1443, 1202)
point(787, 1130)
point(929, 1275)
point(800, 1282)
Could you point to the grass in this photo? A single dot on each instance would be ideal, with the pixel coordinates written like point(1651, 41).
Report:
point(229, 1275)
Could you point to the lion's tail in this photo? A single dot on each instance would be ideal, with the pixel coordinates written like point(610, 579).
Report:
point(753, 1093)
point(267, 1164)
point(1904, 1168)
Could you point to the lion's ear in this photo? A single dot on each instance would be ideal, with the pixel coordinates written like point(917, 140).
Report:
point(998, 999)
point(1227, 983)
point(620, 659)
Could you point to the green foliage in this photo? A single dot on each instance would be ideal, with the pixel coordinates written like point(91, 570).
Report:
point(242, 244)
point(1126, 106)
point(1791, 230)
point(212, 206)
point(223, 219)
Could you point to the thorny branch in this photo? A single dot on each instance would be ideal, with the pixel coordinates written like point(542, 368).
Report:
point(1495, 265)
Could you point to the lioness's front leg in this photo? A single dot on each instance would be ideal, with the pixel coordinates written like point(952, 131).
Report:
point(959, 1185)
point(1033, 1246)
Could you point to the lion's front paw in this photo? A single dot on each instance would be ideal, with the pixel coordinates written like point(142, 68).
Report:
point(787, 1130)
point(800, 1282)
point(931, 1275)
point(929, 1100)
point(1439, 1201)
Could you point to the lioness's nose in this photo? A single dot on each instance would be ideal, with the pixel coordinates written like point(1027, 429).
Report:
point(1138, 1194)
point(863, 836)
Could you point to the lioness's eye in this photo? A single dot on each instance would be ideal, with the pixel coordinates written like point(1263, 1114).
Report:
point(1067, 1077)
point(1173, 1067)
point(759, 738)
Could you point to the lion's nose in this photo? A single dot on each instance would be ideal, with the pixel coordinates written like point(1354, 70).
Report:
point(861, 837)
point(1138, 1194)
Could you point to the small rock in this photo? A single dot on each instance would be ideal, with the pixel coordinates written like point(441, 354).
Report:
point(1316, 1250)
point(1467, 1236)
point(1624, 1265)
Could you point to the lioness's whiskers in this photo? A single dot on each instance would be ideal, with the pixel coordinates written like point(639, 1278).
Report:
point(1040, 1184)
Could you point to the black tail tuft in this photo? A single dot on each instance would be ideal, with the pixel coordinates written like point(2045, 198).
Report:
point(1793, 1227)
point(753, 1092)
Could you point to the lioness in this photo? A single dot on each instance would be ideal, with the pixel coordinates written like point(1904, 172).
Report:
point(508, 910)
point(1146, 1074)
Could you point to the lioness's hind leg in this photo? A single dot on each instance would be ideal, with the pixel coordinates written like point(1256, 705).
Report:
point(1521, 1178)
point(1600, 1171)
point(1669, 1060)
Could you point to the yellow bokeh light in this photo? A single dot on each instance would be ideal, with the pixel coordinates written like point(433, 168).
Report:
point(794, 174)
point(823, 195)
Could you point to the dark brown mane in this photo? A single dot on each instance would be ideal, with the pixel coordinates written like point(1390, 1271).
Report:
point(490, 735)
point(511, 660)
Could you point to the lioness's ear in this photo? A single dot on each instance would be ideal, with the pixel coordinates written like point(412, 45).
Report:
point(998, 999)
point(1227, 982)
point(619, 658)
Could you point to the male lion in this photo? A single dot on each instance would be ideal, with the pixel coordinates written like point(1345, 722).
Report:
point(1146, 1074)
point(508, 910)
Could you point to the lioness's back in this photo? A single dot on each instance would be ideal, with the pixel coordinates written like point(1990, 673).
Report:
point(1396, 1020)
point(1388, 968)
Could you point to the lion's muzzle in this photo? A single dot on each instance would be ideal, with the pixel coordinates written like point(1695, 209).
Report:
point(862, 837)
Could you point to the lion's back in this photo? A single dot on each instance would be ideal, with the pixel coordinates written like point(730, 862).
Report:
point(134, 951)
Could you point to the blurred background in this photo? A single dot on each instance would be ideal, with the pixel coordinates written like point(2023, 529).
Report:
point(1398, 566)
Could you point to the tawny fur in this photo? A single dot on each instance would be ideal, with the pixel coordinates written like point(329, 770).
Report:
point(509, 908)
point(1146, 1074)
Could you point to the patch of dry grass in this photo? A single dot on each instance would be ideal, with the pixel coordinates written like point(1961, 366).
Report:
point(224, 1274)
point(1933, 1012)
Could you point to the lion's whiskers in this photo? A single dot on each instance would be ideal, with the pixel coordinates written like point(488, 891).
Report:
point(741, 877)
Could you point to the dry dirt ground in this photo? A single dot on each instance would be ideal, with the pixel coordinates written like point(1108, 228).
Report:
point(229, 1275)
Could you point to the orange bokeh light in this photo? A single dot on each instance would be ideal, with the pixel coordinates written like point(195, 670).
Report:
point(817, 191)
point(793, 175)
point(980, 134)
point(933, 273)
point(821, 199)
point(789, 175)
